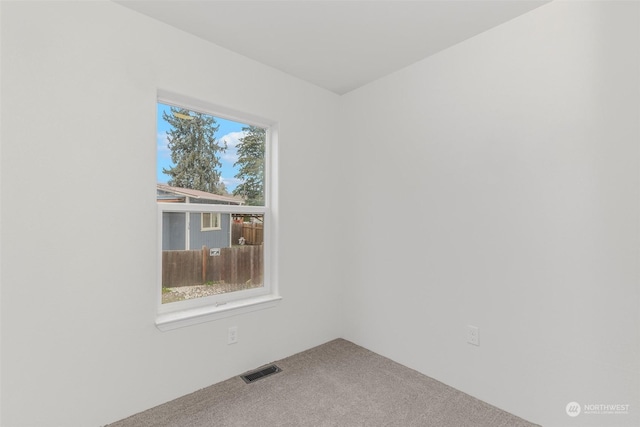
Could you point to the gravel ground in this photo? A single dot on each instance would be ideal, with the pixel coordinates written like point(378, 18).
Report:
point(189, 292)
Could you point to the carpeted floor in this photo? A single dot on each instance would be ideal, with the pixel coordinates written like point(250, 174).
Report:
point(335, 384)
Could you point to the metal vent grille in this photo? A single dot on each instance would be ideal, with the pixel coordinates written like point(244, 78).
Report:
point(261, 373)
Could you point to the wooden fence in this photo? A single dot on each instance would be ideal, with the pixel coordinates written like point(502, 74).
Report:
point(235, 265)
point(253, 233)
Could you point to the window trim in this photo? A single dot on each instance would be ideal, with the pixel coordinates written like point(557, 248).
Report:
point(190, 312)
point(218, 221)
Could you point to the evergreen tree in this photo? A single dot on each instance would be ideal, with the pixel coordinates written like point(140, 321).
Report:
point(251, 152)
point(194, 151)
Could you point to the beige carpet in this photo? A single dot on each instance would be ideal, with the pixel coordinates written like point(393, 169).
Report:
point(335, 384)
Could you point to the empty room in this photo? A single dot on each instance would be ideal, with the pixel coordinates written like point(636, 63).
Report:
point(319, 213)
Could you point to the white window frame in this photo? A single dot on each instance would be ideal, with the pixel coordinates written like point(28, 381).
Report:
point(190, 312)
point(209, 227)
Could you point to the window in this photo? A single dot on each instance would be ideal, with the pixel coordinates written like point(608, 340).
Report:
point(209, 221)
point(212, 168)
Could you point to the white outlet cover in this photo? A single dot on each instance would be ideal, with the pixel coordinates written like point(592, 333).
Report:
point(473, 335)
point(232, 335)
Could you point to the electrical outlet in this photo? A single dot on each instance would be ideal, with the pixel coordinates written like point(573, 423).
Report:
point(232, 336)
point(473, 335)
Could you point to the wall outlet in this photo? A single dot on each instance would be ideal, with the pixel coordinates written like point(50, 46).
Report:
point(232, 335)
point(473, 335)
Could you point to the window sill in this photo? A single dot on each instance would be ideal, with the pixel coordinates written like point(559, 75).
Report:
point(194, 316)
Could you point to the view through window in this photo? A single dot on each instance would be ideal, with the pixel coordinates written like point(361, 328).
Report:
point(212, 211)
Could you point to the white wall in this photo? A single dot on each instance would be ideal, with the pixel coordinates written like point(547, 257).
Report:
point(498, 187)
point(494, 184)
point(79, 82)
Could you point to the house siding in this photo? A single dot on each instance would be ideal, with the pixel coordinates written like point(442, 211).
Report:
point(213, 238)
point(173, 232)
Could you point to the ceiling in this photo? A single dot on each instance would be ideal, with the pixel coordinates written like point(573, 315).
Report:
point(337, 45)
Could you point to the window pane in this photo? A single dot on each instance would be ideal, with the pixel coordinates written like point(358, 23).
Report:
point(200, 152)
point(213, 262)
point(204, 160)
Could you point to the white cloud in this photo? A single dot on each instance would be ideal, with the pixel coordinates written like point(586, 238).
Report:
point(232, 139)
point(163, 145)
point(230, 183)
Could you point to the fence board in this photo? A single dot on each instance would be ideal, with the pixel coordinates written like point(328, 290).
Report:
point(235, 265)
point(253, 233)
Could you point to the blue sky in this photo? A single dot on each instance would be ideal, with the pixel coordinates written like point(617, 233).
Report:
point(229, 131)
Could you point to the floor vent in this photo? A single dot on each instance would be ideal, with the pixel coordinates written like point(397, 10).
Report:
point(261, 373)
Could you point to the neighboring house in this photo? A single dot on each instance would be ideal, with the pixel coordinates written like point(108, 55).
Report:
point(184, 231)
